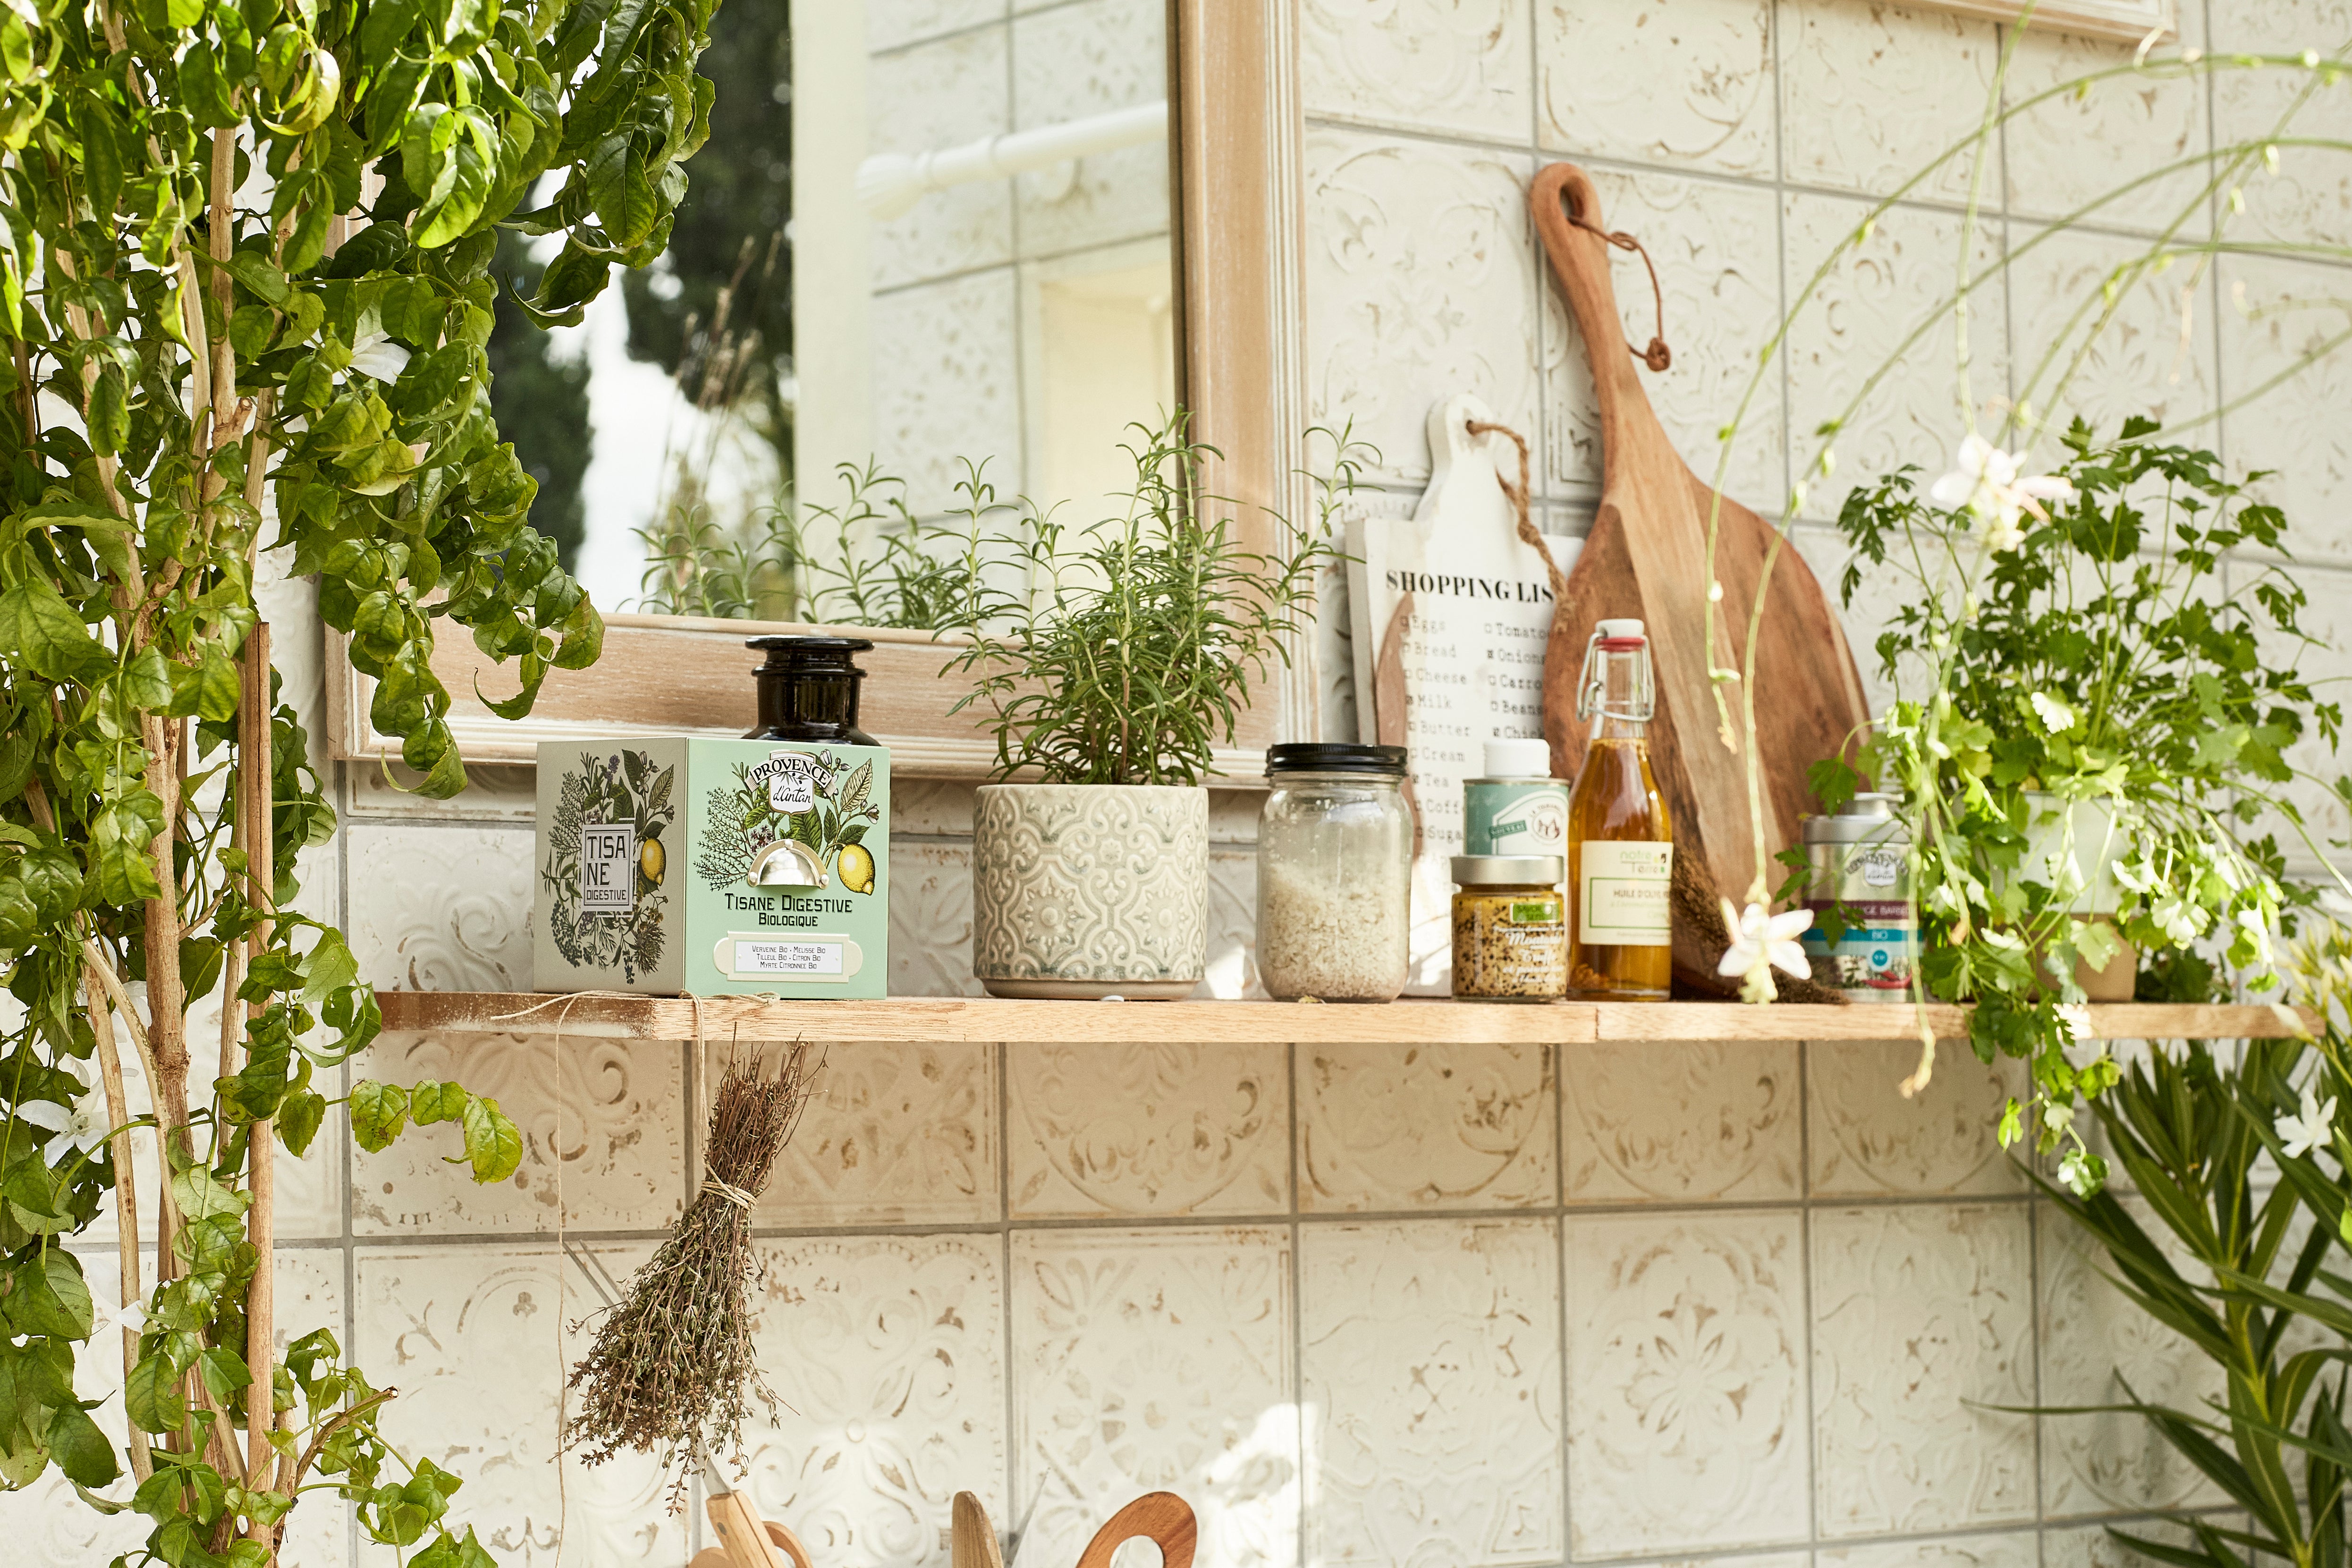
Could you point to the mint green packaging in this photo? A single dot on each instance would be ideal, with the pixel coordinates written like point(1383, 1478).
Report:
point(676, 866)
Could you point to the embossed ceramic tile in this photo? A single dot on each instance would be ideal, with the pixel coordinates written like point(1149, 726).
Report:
point(1690, 1124)
point(478, 1340)
point(1684, 83)
point(945, 365)
point(604, 1128)
point(1232, 972)
point(932, 806)
point(1716, 247)
point(886, 1353)
point(1424, 1126)
point(2012, 1549)
point(931, 921)
point(1420, 284)
point(2095, 1345)
point(2152, 356)
point(896, 1134)
point(1868, 1141)
point(1168, 1129)
point(1234, 814)
point(1085, 59)
point(1762, 1559)
point(2090, 1546)
point(2070, 152)
point(441, 908)
point(1885, 312)
point(1922, 1315)
point(1156, 1360)
point(928, 98)
point(1436, 65)
point(1685, 1381)
point(1874, 92)
point(1430, 1356)
point(493, 793)
point(890, 24)
point(2307, 198)
point(2280, 321)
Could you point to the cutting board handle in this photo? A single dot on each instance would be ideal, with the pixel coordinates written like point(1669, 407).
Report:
point(1580, 260)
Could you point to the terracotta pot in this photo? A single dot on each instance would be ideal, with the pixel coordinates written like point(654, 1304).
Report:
point(1083, 891)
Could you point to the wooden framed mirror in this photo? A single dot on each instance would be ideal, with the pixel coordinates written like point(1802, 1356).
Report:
point(1223, 252)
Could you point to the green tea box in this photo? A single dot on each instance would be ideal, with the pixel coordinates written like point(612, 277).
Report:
point(682, 866)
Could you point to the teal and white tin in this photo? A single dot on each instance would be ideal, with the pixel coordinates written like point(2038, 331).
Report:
point(1521, 810)
point(1861, 861)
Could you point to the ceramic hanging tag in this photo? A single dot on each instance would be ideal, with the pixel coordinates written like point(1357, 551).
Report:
point(1450, 613)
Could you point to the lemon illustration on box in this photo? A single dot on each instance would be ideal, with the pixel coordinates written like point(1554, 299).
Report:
point(673, 865)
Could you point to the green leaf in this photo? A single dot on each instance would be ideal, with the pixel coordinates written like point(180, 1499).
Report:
point(299, 1117)
point(493, 1143)
point(41, 629)
point(101, 154)
point(620, 191)
point(268, 283)
point(225, 1375)
point(80, 1448)
point(153, 1397)
point(200, 1196)
point(432, 1101)
point(46, 1295)
point(378, 1113)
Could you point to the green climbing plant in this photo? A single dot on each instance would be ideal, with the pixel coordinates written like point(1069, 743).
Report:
point(247, 280)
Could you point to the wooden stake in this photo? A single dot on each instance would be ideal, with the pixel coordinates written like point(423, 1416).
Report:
point(257, 815)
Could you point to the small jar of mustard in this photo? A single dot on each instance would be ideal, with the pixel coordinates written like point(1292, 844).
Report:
point(1511, 928)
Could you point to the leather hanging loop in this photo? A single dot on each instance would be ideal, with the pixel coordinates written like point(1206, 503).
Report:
point(1657, 356)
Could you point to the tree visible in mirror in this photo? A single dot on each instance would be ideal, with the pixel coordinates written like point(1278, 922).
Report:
point(2089, 654)
point(187, 341)
point(1131, 652)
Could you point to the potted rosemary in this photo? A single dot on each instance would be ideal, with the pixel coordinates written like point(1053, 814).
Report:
point(1108, 683)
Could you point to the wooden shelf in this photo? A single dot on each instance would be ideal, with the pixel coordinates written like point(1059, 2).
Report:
point(945, 1019)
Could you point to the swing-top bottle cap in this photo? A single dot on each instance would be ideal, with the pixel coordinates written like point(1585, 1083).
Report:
point(1626, 629)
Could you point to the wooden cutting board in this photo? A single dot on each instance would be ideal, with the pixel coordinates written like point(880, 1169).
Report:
point(1646, 557)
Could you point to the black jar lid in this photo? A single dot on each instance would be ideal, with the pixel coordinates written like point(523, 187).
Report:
point(784, 652)
point(1330, 757)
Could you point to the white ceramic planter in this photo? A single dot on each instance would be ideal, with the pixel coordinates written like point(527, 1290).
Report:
point(1082, 890)
point(2098, 840)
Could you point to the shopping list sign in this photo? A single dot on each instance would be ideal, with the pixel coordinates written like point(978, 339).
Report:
point(1450, 613)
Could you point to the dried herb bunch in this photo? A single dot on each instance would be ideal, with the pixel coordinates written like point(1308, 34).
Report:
point(671, 1368)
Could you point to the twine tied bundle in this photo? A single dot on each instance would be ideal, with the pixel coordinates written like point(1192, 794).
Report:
point(672, 1366)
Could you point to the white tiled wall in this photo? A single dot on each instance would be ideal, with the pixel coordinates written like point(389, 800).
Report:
point(1383, 1305)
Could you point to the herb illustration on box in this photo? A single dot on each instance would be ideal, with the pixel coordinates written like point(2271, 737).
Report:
point(606, 863)
point(793, 821)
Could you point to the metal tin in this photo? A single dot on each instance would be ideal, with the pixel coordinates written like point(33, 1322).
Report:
point(1860, 860)
point(1520, 809)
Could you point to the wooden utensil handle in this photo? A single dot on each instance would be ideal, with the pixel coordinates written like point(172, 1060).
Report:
point(1580, 260)
point(740, 1532)
point(1162, 1516)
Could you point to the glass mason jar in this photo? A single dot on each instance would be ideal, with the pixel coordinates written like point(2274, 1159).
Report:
point(1334, 873)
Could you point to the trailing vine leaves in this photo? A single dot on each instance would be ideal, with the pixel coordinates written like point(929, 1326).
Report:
point(246, 257)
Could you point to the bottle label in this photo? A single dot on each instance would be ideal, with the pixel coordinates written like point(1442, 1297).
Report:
point(1622, 897)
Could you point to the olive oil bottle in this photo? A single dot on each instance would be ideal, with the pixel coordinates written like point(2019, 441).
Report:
point(1620, 850)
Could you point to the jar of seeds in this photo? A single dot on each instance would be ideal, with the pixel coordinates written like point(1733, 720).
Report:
point(1511, 928)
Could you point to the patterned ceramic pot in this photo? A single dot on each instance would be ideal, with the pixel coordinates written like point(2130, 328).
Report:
point(1082, 890)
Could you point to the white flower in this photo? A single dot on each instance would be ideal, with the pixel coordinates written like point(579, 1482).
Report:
point(2316, 1125)
point(378, 356)
point(82, 1127)
point(1759, 940)
point(131, 1317)
point(1991, 484)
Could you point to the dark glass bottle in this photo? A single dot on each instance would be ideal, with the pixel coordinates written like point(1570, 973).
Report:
point(808, 689)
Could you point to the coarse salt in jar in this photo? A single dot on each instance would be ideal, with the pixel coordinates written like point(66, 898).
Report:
point(1511, 928)
point(1334, 873)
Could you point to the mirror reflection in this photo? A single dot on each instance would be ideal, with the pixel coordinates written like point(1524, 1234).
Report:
point(924, 256)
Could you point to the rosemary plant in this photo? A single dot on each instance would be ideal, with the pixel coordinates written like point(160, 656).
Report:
point(1132, 654)
point(895, 568)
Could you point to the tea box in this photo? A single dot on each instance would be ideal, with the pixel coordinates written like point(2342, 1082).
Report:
point(676, 865)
